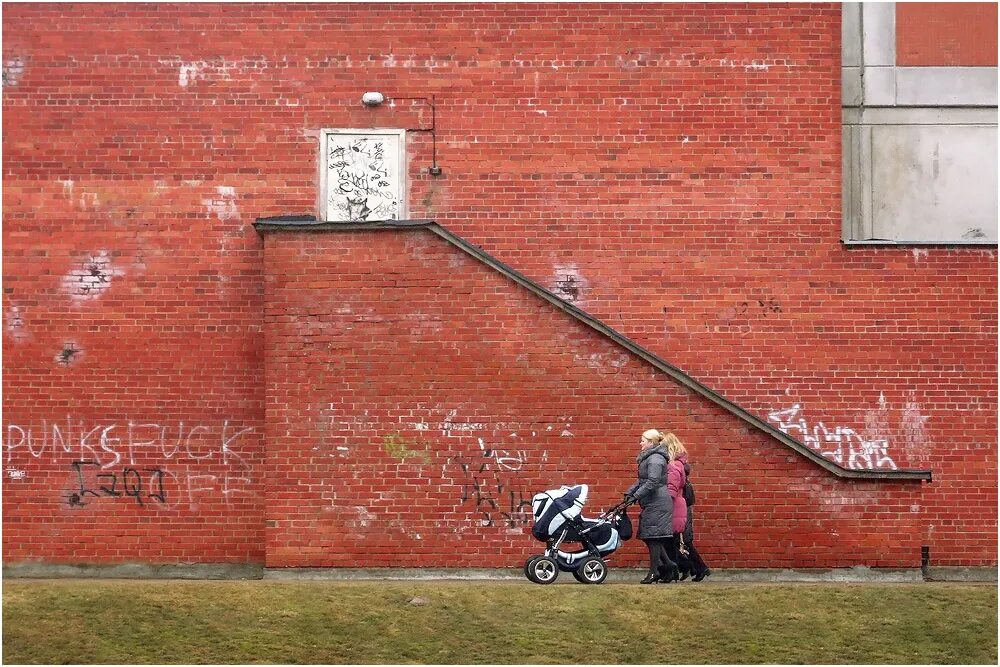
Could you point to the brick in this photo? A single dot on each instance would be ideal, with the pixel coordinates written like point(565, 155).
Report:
point(684, 180)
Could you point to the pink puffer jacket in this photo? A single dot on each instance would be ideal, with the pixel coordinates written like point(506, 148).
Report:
point(675, 483)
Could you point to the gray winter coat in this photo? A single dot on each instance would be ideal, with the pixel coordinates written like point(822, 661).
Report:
point(657, 516)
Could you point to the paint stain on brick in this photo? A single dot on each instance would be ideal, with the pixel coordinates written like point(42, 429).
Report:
point(223, 204)
point(92, 278)
point(914, 427)
point(70, 354)
point(568, 283)
point(877, 420)
point(13, 70)
point(15, 324)
point(216, 69)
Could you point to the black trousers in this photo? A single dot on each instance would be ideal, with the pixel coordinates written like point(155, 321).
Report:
point(692, 563)
point(660, 562)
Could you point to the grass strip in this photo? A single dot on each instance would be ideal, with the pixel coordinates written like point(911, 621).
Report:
point(367, 622)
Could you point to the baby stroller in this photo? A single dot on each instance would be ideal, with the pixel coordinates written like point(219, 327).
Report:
point(558, 520)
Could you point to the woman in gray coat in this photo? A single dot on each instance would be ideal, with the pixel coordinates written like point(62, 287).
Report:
point(656, 517)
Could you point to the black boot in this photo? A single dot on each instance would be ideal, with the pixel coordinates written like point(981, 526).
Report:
point(651, 578)
point(670, 576)
point(701, 575)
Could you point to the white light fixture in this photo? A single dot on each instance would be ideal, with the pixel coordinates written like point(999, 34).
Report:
point(372, 99)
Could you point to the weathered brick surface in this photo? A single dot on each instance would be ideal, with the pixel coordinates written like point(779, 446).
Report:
point(415, 404)
point(674, 169)
point(942, 34)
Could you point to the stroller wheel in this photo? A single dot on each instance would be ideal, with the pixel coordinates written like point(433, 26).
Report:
point(543, 570)
point(591, 571)
point(528, 567)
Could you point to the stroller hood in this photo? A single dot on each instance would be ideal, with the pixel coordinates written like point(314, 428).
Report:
point(552, 509)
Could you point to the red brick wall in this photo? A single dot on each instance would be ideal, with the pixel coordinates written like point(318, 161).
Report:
point(417, 399)
point(957, 34)
point(675, 168)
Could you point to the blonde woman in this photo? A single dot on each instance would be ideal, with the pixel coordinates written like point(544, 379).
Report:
point(656, 517)
point(682, 494)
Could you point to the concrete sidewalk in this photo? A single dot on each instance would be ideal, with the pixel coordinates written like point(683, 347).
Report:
point(858, 574)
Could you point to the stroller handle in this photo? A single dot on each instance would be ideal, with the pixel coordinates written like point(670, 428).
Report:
point(620, 507)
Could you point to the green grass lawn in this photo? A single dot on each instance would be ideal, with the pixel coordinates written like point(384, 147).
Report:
point(369, 622)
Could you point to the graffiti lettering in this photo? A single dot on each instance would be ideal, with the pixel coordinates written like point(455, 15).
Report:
point(495, 498)
point(842, 445)
point(94, 484)
point(200, 442)
point(96, 453)
point(363, 183)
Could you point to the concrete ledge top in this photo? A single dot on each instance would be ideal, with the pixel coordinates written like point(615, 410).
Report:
point(615, 575)
point(857, 574)
point(309, 223)
point(41, 570)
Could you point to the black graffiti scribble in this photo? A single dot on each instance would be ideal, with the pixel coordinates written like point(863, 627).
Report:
point(771, 305)
point(84, 491)
point(135, 490)
point(68, 353)
point(96, 270)
point(494, 499)
point(520, 509)
point(361, 178)
point(114, 484)
point(568, 288)
point(158, 474)
point(107, 484)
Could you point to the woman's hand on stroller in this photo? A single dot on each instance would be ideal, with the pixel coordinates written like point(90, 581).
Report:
point(629, 499)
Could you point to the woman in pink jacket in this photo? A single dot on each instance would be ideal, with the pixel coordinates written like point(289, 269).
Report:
point(675, 485)
point(692, 562)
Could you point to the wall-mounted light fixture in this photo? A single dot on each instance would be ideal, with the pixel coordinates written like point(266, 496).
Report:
point(372, 99)
point(375, 98)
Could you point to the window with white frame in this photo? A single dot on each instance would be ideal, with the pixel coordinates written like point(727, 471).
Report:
point(362, 175)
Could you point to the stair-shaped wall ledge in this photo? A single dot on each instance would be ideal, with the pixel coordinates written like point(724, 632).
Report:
point(304, 223)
